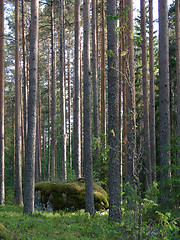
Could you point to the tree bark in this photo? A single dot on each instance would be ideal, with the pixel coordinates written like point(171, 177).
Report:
point(49, 116)
point(113, 116)
point(164, 100)
point(152, 94)
point(53, 91)
point(147, 156)
point(18, 145)
point(89, 196)
point(103, 81)
point(77, 119)
point(24, 75)
point(69, 106)
point(94, 74)
point(2, 182)
point(131, 107)
point(29, 178)
point(62, 90)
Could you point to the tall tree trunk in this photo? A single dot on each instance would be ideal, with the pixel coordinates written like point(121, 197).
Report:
point(49, 115)
point(121, 82)
point(103, 81)
point(113, 116)
point(131, 107)
point(77, 119)
point(177, 28)
point(39, 126)
point(38, 136)
point(53, 89)
point(62, 89)
point(18, 145)
point(37, 149)
point(164, 104)
point(69, 106)
point(89, 196)
point(13, 144)
point(94, 75)
point(24, 75)
point(147, 155)
point(2, 182)
point(152, 94)
point(29, 177)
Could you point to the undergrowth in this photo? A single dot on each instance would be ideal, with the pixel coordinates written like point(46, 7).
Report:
point(145, 221)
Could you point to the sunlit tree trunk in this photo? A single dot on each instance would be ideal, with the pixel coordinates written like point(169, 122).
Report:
point(147, 155)
point(164, 100)
point(53, 90)
point(131, 107)
point(113, 116)
point(152, 94)
point(2, 182)
point(94, 76)
point(18, 144)
point(49, 116)
point(88, 164)
point(29, 178)
point(69, 104)
point(62, 89)
point(77, 119)
point(121, 83)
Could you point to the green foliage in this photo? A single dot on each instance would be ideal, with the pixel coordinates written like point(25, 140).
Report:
point(101, 165)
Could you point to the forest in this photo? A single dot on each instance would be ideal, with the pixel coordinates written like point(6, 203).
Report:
point(89, 119)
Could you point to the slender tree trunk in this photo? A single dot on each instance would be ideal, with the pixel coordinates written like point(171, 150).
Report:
point(121, 81)
point(94, 75)
point(49, 116)
point(18, 145)
point(2, 182)
point(164, 100)
point(37, 149)
point(103, 81)
point(24, 75)
point(62, 89)
point(77, 119)
point(39, 127)
point(53, 89)
point(29, 177)
point(113, 117)
point(13, 144)
point(69, 106)
point(152, 94)
point(89, 196)
point(147, 155)
point(131, 107)
point(177, 28)
point(38, 136)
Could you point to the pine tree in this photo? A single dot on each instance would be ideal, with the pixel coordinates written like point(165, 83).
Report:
point(164, 100)
point(29, 178)
point(2, 182)
point(113, 116)
point(88, 164)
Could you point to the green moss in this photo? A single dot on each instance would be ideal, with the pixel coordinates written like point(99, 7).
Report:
point(70, 195)
point(5, 233)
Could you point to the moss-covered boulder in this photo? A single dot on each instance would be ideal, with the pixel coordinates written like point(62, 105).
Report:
point(54, 196)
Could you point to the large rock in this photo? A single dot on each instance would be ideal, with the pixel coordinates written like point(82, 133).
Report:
point(54, 196)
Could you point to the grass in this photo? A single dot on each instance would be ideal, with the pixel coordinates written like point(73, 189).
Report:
point(61, 225)
point(65, 225)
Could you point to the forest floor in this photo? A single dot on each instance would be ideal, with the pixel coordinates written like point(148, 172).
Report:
point(77, 225)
